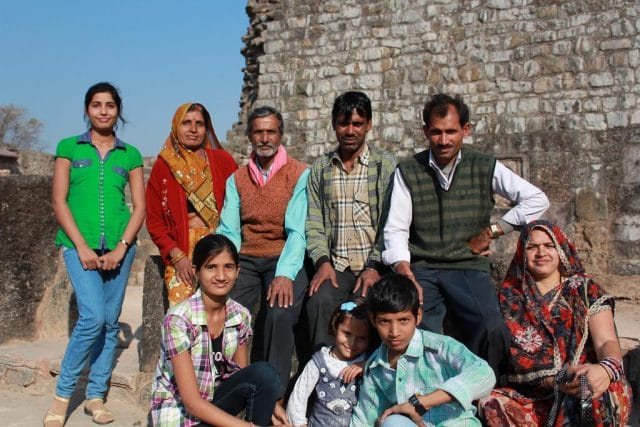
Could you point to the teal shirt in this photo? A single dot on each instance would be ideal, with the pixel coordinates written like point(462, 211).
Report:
point(96, 195)
point(292, 256)
point(431, 362)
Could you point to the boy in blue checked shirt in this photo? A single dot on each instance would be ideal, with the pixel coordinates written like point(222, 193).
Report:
point(416, 377)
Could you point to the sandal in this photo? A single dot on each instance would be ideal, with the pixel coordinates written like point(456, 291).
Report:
point(97, 411)
point(56, 419)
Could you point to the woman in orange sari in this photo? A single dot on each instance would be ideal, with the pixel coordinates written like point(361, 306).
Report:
point(185, 193)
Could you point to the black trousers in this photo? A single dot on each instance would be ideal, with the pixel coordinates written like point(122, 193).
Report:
point(273, 338)
point(471, 301)
point(320, 306)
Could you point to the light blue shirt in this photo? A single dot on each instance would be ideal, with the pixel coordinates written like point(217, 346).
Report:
point(292, 256)
point(431, 362)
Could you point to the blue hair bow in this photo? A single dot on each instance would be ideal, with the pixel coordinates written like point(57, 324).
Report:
point(348, 306)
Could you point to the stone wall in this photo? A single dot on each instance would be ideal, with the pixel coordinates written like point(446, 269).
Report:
point(553, 89)
point(35, 163)
point(28, 254)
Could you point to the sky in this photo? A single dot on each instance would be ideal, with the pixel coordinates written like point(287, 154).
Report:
point(159, 53)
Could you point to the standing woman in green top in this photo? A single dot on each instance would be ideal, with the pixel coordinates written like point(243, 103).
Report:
point(97, 235)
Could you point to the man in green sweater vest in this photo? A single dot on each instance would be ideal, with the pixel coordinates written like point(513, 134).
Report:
point(438, 230)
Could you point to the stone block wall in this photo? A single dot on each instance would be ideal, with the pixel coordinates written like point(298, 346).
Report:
point(553, 87)
point(35, 163)
point(28, 254)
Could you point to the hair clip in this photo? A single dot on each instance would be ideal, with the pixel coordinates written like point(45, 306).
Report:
point(348, 306)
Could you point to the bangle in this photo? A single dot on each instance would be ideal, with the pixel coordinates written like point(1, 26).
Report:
point(613, 367)
point(177, 258)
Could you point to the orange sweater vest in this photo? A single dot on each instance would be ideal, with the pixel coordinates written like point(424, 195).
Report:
point(262, 209)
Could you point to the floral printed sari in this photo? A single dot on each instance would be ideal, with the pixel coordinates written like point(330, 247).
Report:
point(549, 332)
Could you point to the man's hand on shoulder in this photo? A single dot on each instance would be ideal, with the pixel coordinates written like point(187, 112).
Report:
point(404, 268)
point(366, 279)
point(479, 245)
point(280, 291)
point(325, 272)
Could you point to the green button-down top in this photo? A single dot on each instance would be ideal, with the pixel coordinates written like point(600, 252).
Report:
point(96, 195)
point(431, 362)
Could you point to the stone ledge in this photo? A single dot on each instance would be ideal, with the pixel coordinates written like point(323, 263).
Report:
point(16, 371)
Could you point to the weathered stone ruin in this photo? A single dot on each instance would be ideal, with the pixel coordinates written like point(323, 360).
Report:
point(554, 90)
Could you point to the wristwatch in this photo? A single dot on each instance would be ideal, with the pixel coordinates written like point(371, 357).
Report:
point(125, 243)
point(419, 407)
point(496, 231)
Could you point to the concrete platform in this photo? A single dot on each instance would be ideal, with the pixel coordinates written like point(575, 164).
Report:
point(28, 369)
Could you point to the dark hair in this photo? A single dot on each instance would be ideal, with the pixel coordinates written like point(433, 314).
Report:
point(100, 88)
point(346, 309)
point(349, 101)
point(211, 134)
point(211, 246)
point(438, 106)
point(392, 294)
point(265, 111)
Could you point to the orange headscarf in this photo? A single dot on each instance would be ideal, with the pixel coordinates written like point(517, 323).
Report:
point(192, 171)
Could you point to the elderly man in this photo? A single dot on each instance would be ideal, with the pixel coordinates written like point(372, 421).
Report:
point(438, 230)
point(346, 190)
point(264, 214)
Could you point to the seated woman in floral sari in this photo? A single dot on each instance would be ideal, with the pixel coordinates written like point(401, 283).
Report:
point(565, 363)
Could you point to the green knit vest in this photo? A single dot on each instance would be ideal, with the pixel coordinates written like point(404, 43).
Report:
point(444, 221)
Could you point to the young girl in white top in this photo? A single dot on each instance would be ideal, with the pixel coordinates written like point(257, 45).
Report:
point(332, 371)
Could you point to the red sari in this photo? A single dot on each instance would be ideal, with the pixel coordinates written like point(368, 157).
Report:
point(180, 175)
point(548, 333)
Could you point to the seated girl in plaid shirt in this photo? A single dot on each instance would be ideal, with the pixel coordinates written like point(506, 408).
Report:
point(203, 377)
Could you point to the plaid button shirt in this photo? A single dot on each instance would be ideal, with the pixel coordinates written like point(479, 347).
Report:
point(323, 225)
point(431, 362)
point(353, 233)
point(185, 329)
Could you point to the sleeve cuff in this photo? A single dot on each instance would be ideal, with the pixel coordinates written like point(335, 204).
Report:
point(321, 261)
point(378, 266)
point(457, 390)
point(505, 226)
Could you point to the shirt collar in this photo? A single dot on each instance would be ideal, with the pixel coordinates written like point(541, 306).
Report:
point(260, 175)
point(363, 157)
point(200, 315)
point(434, 165)
point(414, 349)
point(85, 138)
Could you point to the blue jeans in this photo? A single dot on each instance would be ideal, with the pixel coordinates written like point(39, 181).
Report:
point(254, 389)
point(398, 420)
point(99, 296)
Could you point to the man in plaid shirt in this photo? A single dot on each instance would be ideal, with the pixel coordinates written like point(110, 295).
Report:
point(346, 190)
